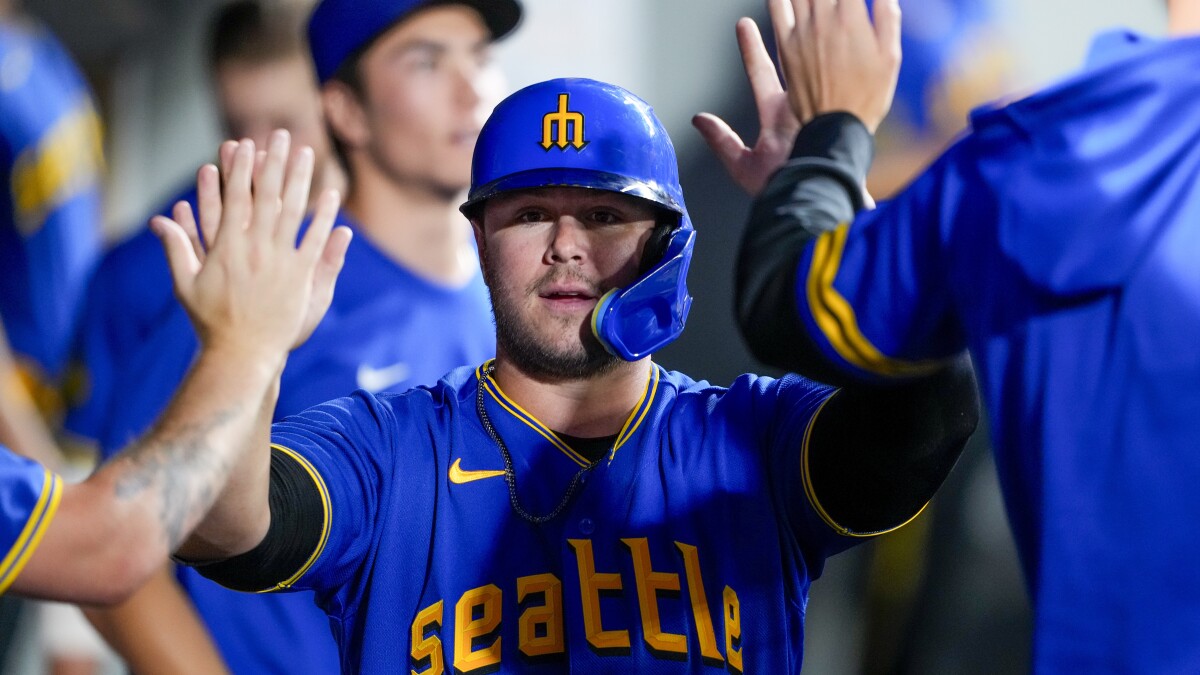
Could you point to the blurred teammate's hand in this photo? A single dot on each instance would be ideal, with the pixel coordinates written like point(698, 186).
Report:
point(751, 167)
point(253, 292)
point(834, 59)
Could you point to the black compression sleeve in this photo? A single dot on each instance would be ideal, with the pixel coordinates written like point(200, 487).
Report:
point(820, 187)
point(877, 454)
point(297, 520)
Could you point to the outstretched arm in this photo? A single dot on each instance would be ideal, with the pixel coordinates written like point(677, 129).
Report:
point(252, 295)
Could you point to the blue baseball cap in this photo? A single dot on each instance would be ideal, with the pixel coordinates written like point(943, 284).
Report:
point(339, 29)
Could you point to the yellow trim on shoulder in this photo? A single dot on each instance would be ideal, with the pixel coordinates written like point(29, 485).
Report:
point(35, 528)
point(835, 317)
point(811, 492)
point(326, 509)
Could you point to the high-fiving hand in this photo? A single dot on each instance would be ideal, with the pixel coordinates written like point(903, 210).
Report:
point(247, 286)
point(833, 59)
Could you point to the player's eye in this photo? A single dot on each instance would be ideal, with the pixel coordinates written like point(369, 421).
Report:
point(531, 215)
point(605, 216)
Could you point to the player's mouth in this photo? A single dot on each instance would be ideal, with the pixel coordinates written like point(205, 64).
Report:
point(560, 298)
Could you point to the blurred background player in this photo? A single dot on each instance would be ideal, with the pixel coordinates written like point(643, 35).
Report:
point(406, 87)
point(50, 220)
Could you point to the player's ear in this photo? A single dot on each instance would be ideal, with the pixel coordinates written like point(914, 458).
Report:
point(345, 114)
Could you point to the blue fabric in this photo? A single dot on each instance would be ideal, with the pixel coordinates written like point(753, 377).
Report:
point(29, 495)
point(699, 473)
point(387, 329)
point(50, 206)
point(1059, 242)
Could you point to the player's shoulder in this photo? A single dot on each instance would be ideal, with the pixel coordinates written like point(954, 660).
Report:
point(745, 391)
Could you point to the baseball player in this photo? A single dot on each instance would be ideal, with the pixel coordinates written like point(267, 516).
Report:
point(51, 158)
point(404, 127)
point(98, 540)
point(571, 504)
point(1056, 241)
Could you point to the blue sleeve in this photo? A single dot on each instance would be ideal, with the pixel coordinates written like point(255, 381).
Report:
point(345, 445)
point(878, 294)
point(781, 414)
point(29, 497)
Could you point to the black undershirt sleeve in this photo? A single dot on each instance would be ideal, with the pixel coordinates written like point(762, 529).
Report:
point(879, 450)
point(297, 521)
point(820, 187)
point(878, 453)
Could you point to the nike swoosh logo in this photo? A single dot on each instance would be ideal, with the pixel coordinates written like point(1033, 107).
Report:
point(377, 379)
point(459, 475)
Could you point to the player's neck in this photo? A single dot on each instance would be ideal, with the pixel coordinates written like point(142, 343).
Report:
point(585, 408)
point(420, 230)
point(1183, 17)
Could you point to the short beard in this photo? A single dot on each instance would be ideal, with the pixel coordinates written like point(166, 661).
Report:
point(539, 360)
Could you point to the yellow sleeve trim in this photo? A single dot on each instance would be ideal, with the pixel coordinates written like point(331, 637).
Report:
point(35, 528)
point(811, 492)
point(835, 317)
point(326, 510)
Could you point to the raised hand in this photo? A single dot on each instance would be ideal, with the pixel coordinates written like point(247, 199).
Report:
point(834, 59)
point(253, 291)
point(751, 167)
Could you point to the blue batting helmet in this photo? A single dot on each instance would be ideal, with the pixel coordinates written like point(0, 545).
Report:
point(583, 133)
point(340, 29)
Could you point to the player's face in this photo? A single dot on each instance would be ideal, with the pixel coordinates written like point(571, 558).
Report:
point(429, 84)
point(256, 98)
point(548, 255)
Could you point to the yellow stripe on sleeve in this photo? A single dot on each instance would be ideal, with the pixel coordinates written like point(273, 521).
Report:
point(35, 528)
point(835, 316)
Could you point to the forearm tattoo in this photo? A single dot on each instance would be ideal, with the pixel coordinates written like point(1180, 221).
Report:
point(181, 469)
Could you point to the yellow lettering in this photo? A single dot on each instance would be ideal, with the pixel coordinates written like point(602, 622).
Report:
point(547, 615)
point(649, 584)
point(468, 628)
point(591, 584)
point(709, 652)
point(426, 646)
point(733, 630)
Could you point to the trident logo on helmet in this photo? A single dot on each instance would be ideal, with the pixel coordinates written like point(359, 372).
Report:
point(569, 123)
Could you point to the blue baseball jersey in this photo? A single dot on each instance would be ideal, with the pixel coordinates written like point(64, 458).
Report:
point(690, 547)
point(386, 330)
point(1058, 240)
point(29, 496)
point(50, 215)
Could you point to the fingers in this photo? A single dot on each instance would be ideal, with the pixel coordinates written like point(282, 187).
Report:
point(208, 200)
point(295, 196)
point(182, 213)
point(181, 257)
point(760, 70)
point(723, 140)
point(319, 227)
point(225, 155)
point(236, 204)
point(333, 257)
point(887, 27)
point(268, 184)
